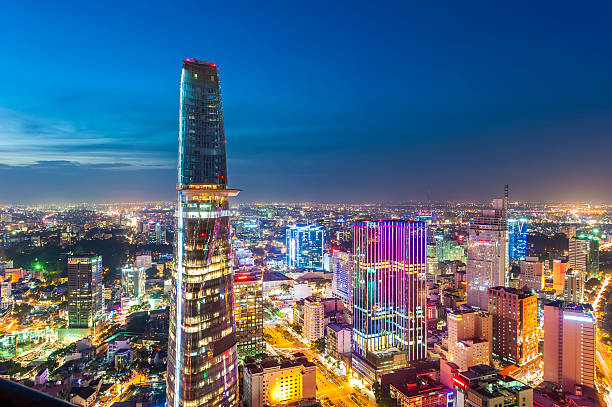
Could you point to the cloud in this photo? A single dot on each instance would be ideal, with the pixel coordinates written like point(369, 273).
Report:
point(27, 140)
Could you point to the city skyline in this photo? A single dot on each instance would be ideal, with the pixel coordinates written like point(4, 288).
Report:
point(88, 129)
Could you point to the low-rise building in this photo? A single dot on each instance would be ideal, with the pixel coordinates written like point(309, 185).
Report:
point(481, 385)
point(338, 340)
point(279, 383)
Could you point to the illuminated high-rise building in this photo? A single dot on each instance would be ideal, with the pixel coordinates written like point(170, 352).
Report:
point(532, 274)
point(584, 254)
point(248, 306)
point(85, 302)
point(517, 239)
point(389, 295)
point(305, 245)
point(487, 258)
point(202, 359)
point(342, 281)
point(573, 289)
point(514, 315)
point(569, 345)
point(559, 270)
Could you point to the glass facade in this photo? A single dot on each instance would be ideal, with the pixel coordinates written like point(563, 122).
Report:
point(85, 302)
point(305, 244)
point(248, 304)
point(202, 361)
point(389, 287)
point(517, 239)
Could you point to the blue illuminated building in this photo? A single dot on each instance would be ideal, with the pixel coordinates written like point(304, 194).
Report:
point(305, 245)
point(517, 239)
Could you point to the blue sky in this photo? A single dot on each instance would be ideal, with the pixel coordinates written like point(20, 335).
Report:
point(323, 101)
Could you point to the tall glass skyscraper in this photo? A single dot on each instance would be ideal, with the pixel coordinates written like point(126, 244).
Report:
point(305, 244)
point(202, 364)
point(389, 295)
point(85, 302)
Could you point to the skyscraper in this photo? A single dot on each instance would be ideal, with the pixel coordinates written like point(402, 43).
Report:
point(85, 302)
point(487, 254)
point(584, 254)
point(517, 239)
point(202, 361)
point(389, 295)
point(342, 281)
point(514, 315)
point(469, 336)
point(573, 289)
point(305, 244)
point(569, 345)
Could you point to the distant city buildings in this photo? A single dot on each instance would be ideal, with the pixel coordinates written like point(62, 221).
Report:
point(389, 295)
point(133, 282)
point(305, 246)
point(85, 302)
point(514, 315)
point(248, 310)
point(569, 346)
point(487, 258)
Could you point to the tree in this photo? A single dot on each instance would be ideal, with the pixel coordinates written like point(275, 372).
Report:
point(319, 345)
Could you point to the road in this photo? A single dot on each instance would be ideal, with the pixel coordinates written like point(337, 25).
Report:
point(604, 362)
point(332, 389)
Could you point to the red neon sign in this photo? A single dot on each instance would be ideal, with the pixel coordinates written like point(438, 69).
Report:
point(459, 382)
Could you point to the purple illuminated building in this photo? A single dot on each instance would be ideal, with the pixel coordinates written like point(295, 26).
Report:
point(389, 295)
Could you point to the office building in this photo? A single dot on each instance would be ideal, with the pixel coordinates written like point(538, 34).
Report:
point(532, 274)
point(279, 383)
point(305, 245)
point(569, 345)
point(469, 336)
point(389, 295)
point(411, 389)
point(133, 282)
point(514, 315)
point(248, 310)
point(573, 289)
point(85, 302)
point(202, 358)
point(584, 254)
point(156, 232)
point(487, 258)
point(342, 281)
point(481, 385)
point(517, 239)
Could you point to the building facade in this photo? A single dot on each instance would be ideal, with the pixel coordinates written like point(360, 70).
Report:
point(305, 245)
point(274, 383)
point(487, 258)
point(573, 289)
point(532, 274)
point(342, 282)
point(314, 319)
point(584, 254)
point(514, 315)
point(85, 302)
point(248, 310)
point(389, 295)
point(569, 345)
point(202, 359)
point(469, 336)
point(517, 239)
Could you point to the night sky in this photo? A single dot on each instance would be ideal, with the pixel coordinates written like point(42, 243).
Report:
point(330, 102)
